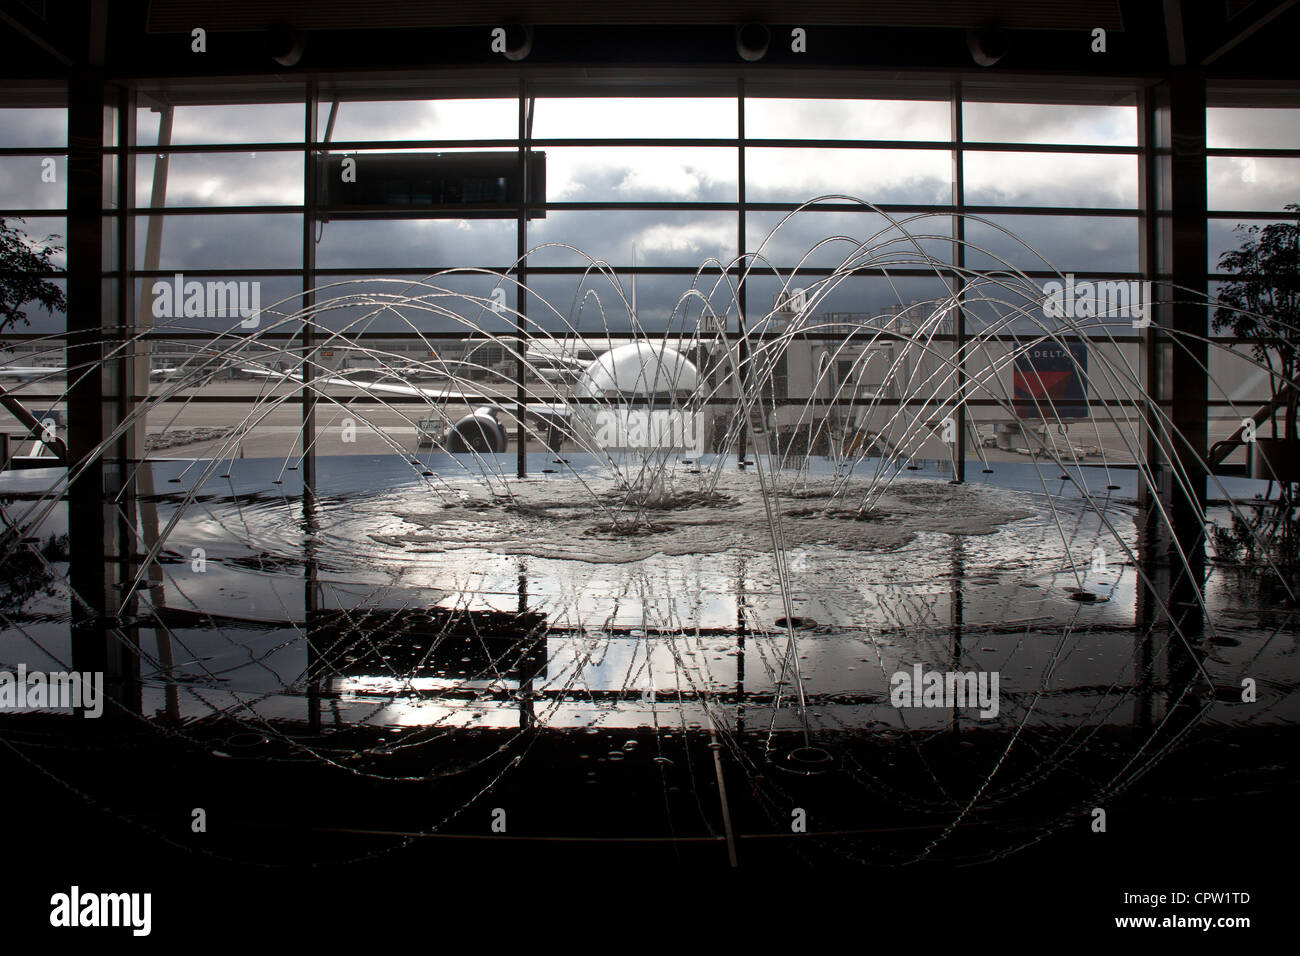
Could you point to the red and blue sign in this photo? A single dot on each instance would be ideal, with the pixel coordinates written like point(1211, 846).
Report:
point(1050, 381)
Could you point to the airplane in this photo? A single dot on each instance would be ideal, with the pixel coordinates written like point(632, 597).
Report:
point(636, 370)
point(25, 372)
point(558, 370)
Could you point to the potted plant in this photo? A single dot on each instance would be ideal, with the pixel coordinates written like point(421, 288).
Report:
point(1262, 303)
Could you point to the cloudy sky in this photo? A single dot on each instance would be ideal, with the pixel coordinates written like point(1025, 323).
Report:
point(681, 239)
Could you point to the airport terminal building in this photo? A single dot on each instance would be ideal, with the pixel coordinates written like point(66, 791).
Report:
point(686, 435)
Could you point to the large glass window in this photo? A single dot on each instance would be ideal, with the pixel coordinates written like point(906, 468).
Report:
point(642, 213)
point(33, 204)
point(1252, 174)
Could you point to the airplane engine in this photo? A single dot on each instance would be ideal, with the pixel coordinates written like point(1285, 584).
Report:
point(478, 432)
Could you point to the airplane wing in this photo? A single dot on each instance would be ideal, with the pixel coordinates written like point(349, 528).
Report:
point(271, 373)
point(549, 411)
point(388, 388)
point(32, 371)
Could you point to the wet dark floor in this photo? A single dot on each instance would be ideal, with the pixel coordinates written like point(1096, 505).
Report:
point(282, 828)
point(354, 716)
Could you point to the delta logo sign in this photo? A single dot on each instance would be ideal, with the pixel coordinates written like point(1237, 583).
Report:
point(1052, 377)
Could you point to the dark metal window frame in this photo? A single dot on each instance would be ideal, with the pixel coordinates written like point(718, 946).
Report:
point(722, 84)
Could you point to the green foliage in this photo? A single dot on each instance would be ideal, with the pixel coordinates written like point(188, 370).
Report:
point(1263, 301)
point(22, 271)
point(1261, 542)
point(26, 571)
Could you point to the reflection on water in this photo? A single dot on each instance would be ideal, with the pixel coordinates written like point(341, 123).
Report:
point(972, 577)
point(399, 605)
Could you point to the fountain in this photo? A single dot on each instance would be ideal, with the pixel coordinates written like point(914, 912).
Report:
point(767, 561)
